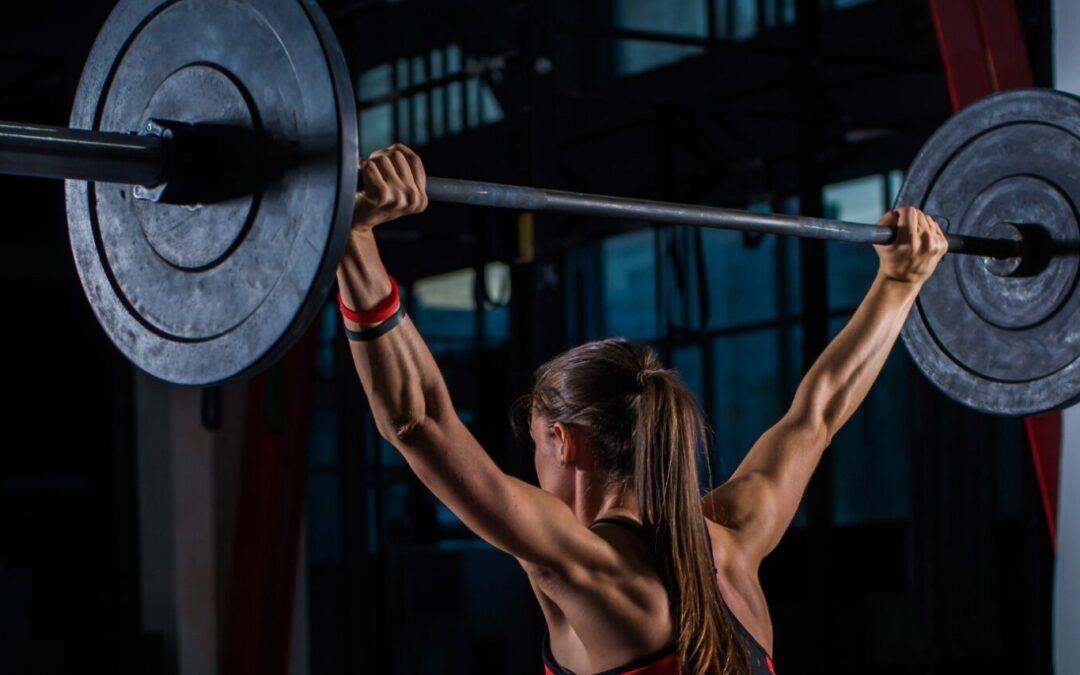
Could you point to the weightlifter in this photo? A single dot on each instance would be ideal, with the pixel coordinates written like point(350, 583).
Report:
point(634, 570)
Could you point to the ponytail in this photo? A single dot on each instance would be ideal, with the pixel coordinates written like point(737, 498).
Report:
point(646, 429)
point(669, 433)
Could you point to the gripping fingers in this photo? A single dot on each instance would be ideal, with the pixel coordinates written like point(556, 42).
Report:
point(394, 183)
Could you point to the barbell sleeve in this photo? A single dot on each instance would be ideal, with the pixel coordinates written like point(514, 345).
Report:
point(60, 152)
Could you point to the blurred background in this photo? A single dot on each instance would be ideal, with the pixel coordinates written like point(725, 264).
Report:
point(264, 527)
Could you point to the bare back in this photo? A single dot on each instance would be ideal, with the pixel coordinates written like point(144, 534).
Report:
point(600, 622)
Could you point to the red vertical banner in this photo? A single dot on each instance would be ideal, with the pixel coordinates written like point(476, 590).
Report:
point(962, 50)
point(1044, 437)
point(983, 51)
point(1006, 54)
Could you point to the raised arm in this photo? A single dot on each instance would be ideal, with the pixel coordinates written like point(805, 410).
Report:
point(412, 406)
point(759, 501)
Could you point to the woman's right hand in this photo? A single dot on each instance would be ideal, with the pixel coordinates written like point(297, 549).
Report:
point(394, 186)
point(918, 247)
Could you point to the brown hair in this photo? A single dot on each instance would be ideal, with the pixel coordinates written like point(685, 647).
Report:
point(645, 428)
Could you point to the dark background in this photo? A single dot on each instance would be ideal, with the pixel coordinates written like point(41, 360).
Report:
point(921, 545)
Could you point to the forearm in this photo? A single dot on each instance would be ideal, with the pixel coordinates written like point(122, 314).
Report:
point(841, 377)
point(403, 384)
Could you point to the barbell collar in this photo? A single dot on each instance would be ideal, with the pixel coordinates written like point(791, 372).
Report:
point(60, 152)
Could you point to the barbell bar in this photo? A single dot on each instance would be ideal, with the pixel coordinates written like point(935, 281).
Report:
point(142, 160)
point(211, 170)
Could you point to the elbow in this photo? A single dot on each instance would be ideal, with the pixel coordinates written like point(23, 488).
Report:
point(400, 422)
point(402, 430)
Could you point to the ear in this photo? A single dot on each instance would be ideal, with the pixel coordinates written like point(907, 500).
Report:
point(566, 443)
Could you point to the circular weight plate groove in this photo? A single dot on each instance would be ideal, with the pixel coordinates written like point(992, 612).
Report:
point(229, 101)
point(999, 344)
point(953, 309)
point(231, 307)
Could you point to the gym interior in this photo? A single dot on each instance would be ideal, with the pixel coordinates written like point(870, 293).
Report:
point(263, 525)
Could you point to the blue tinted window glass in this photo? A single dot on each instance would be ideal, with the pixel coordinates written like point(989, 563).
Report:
point(418, 70)
point(453, 59)
point(742, 277)
point(870, 454)
point(687, 362)
point(748, 398)
point(846, 4)
point(497, 326)
point(436, 64)
point(745, 22)
point(472, 98)
point(497, 291)
point(455, 107)
point(446, 518)
point(376, 128)
point(375, 82)
point(679, 17)
point(636, 56)
point(584, 294)
point(629, 285)
point(852, 267)
point(444, 308)
point(419, 104)
point(895, 180)
point(787, 11)
point(490, 110)
point(438, 112)
point(404, 121)
point(388, 454)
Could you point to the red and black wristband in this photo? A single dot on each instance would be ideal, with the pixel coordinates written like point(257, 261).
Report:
point(377, 331)
point(379, 320)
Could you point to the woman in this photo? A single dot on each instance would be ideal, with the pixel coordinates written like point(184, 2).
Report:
point(634, 570)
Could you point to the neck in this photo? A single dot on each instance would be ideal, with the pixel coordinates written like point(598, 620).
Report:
point(594, 498)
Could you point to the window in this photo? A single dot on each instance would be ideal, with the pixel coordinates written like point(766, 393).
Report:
point(426, 97)
point(667, 23)
point(741, 361)
point(674, 17)
point(870, 458)
point(613, 289)
point(445, 308)
point(842, 4)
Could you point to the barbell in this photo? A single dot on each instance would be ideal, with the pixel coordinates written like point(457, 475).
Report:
point(211, 169)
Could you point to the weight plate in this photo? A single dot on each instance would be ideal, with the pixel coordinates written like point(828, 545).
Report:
point(201, 294)
point(998, 343)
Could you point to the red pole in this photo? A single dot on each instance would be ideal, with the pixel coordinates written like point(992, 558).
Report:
point(983, 51)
